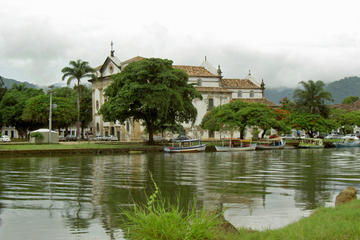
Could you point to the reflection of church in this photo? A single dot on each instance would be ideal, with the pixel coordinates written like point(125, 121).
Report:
point(208, 80)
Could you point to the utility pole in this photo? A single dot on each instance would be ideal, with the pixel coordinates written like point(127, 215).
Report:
point(50, 113)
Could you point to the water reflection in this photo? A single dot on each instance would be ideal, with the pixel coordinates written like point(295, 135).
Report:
point(60, 197)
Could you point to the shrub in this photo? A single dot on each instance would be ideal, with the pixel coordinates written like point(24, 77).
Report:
point(37, 135)
point(158, 219)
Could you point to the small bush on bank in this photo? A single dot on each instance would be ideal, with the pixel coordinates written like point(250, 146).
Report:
point(160, 220)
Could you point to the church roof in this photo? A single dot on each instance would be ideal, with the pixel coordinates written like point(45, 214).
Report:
point(238, 83)
point(212, 89)
point(195, 71)
point(258, 100)
point(134, 59)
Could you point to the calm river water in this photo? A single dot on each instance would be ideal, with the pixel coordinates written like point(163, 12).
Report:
point(82, 197)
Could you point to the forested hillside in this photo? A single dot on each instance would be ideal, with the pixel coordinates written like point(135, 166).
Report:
point(348, 86)
point(9, 82)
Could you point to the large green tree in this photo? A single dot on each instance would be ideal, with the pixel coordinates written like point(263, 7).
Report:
point(237, 115)
point(36, 111)
point(76, 71)
point(85, 102)
point(311, 123)
point(312, 98)
point(153, 91)
point(350, 99)
point(12, 106)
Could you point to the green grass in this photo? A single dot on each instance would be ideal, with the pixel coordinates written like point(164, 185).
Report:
point(339, 223)
point(59, 146)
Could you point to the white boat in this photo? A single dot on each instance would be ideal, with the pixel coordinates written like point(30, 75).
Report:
point(271, 143)
point(185, 145)
point(235, 145)
point(348, 141)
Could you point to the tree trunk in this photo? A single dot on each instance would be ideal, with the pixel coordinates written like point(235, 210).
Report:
point(242, 130)
point(263, 134)
point(150, 129)
point(78, 111)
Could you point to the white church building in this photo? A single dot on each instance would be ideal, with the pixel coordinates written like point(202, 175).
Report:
point(209, 81)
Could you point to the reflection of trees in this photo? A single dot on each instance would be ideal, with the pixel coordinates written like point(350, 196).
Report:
point(78, 211)
point(312, 186)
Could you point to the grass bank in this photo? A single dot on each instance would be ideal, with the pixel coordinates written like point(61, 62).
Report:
point(74, 148)
point(340, 223)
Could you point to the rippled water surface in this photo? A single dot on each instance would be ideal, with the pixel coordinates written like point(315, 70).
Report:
point(82, 197)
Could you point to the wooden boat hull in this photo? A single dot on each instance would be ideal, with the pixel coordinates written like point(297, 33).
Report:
point(195, 148)
point(235, 149)
point(310, 146)
point(267, 147)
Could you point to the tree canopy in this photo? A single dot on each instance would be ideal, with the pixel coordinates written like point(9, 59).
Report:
point(350, 99)
point(153, 91)
point(12, 105)
point(36, 111)
point(76, 71)
point(237, 115)
point(312, 98)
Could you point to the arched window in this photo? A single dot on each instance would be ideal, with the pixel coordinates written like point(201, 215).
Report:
point(239, 94)
point(251, 94)
point(97, 105)
point(210, 104)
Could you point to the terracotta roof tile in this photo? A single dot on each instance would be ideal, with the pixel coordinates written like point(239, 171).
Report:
point(212, 89)
point(134, 59)
point(355, 106)
point(195, 71)
point(258, 100)
point(238, 83)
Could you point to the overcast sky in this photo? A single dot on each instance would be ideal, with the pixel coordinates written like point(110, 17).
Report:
point(281, 41)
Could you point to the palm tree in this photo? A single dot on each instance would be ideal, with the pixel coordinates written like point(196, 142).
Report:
point(76, 71)
point(312, 98)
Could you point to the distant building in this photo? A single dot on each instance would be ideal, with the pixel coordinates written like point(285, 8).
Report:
point(9, 131)
point(208, 80)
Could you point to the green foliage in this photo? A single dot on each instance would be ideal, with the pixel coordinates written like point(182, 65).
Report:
point(12, 106)
point(76, 71)
point(311, 123)
point(348, 86)
point(312, 98)
point(161, 220)
point(350, 99)
point(36, 111)
point(345, 120)
point(341, 222)
point(153, 91)
point(237, 115)
point(37, 135)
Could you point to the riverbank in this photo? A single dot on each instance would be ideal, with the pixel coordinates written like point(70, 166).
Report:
point(335, 223)
point(21, 149)
point(24, 148)
point(341, 222)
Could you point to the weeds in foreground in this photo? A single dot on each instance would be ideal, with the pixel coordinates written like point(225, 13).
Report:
point(158, 219)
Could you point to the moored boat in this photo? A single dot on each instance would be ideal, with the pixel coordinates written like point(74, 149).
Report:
point(272, 143)
point(311, 143)
point(185, 145)
point(235, 145)
point(348, 141)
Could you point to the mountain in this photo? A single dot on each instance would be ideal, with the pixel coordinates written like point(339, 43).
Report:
point(348, 86)
point(276, 94)
point(10, 82)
